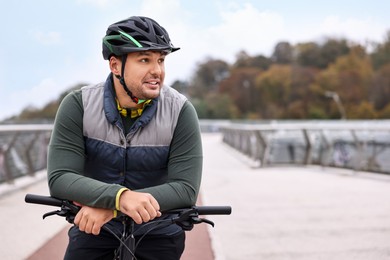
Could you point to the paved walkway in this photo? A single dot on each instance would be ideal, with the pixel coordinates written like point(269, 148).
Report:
point(22, 229)
point(295, 213)
point(282, 213)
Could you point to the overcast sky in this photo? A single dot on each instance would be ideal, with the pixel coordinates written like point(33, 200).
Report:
point(48, 46)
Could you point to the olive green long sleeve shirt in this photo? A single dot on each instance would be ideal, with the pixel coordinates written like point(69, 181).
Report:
point(66, 160)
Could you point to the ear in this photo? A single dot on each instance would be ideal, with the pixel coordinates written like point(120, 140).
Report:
point(115, 65)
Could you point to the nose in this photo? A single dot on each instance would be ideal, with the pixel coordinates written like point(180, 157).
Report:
point(157, 68)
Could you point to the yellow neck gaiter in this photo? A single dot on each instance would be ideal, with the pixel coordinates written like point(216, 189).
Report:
point(136, 112)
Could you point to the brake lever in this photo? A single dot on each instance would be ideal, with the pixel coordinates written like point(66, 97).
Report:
point(203, 220)
point(68, 210)
point(51, 213)
point(190, 217)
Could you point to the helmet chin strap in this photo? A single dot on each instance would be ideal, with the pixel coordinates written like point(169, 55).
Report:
point(123, 83)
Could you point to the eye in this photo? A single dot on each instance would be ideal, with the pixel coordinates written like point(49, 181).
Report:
point(144, 60)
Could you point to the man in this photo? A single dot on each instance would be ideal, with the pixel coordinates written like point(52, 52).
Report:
point(129, 144)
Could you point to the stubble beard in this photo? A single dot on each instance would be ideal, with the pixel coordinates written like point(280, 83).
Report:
point(145, 93)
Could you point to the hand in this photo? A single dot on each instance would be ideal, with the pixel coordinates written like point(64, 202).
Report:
point(141, 207)
point(90, 220)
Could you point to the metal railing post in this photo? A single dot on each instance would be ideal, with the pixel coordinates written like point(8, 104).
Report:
point(308, 150)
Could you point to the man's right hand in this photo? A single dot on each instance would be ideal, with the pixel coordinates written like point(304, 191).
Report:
point(141, 207)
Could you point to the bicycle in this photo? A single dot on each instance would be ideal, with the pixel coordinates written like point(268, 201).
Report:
point(186, 218)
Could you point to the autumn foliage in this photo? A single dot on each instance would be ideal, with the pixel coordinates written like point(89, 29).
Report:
point(293, 82)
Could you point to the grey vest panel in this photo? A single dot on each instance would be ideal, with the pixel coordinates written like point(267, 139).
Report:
point(95, 125)
point(158, 132)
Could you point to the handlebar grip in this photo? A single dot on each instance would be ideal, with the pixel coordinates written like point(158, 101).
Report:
point(213, 210)
point(43, 200)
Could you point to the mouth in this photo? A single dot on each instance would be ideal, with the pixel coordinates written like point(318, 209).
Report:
point(152, 83)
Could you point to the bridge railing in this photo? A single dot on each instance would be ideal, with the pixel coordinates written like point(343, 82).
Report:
point(23, 150)
point(355, 145)
point(360, 145)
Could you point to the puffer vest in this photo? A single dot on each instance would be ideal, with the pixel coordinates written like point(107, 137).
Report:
point(140, 158)
point(136, 160)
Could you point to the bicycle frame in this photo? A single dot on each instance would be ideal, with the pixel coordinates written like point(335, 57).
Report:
point(186, 218)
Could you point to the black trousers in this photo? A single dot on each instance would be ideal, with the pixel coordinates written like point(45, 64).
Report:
point(84, 246)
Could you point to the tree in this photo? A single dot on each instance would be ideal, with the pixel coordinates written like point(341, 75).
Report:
point(283, 53)
point(380, 94)
point(215, 106)
point(274, 86)
point(220, 106)
point(207, 77)
point(308, 54)
point(302, 79)
point(385, 112)
point(350, 77)
point(181, 86)
point(331, 50)
point(364, 110)
point(243, 60)
point(381, 54)
point(240, 87)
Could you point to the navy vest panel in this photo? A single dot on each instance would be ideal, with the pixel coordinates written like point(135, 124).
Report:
point(139, 159)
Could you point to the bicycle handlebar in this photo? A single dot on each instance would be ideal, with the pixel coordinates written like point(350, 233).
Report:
point(201, 210)
point(186, 218)
point(205, 210)
point(43, 200)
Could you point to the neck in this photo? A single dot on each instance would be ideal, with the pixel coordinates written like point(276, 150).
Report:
point(124, 100)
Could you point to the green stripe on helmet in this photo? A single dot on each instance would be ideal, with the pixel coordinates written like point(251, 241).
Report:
point(131, 38)
point(106, 42)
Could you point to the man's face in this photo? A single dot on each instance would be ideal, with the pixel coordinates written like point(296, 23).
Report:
point(145, 73)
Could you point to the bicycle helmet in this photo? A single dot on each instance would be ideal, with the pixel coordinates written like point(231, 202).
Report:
point(136, 33)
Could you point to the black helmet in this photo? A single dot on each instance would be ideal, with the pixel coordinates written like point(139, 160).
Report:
point(136, 33)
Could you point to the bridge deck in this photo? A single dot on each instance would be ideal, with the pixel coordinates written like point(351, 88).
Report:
point(278, 213)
